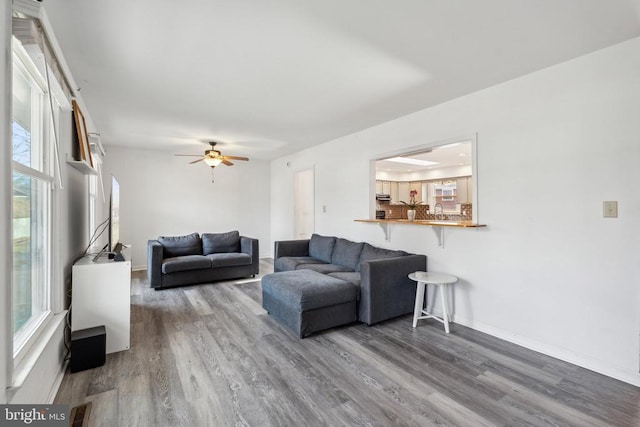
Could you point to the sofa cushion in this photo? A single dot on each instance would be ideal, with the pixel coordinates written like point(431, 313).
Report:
point(323, 268)
point(306, 290)
point(347, 276)
point(174, 246)
point(321, 247)
point(215, 243)
point(185, 263)
point(287, 263)
point(371, 253)
point(346, 253)
point(230, 259)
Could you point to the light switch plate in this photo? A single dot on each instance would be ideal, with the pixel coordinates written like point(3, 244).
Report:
point(610, 209)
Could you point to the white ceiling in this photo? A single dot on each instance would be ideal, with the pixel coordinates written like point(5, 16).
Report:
point(445, 156)
point(269, 78)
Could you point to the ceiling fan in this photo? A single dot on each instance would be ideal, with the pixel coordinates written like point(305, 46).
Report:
point(214, 157)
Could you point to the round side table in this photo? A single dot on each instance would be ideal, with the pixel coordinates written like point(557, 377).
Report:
point(442, 281)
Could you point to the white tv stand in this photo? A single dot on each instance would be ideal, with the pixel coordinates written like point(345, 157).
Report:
point(101, 295)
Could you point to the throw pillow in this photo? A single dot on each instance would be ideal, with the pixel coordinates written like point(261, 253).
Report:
point(174, 246)
point(216, 243)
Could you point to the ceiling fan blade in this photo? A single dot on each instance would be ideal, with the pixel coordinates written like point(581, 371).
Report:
point(227, 162)
point(236, 158)
point(196, 161)
point(190, 155)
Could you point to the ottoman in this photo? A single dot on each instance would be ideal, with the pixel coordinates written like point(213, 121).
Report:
point(306, 301)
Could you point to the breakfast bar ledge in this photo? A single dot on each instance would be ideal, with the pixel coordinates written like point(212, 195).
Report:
point(438, 226)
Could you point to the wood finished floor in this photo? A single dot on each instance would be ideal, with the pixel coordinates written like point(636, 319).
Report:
point(209, 355)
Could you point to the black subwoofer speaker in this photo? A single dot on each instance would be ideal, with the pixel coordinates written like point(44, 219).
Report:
point(88, 348)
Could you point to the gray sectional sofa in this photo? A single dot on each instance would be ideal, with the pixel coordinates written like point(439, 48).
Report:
point(186, 260)
point(327, 281)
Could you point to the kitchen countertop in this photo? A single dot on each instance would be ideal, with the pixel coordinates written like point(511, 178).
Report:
point(430, 222)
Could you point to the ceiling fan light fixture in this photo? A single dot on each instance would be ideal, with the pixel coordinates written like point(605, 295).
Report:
point(212, 161)
point(213, 157)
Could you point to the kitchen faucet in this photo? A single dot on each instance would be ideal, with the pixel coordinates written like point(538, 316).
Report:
point(435, 210)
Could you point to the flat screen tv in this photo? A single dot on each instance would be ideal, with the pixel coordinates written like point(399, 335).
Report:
point(113, 246)
point(114, 217)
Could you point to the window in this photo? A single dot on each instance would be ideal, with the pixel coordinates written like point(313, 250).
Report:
point(32, 180)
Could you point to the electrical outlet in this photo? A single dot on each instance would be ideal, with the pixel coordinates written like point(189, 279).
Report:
point(610, 209)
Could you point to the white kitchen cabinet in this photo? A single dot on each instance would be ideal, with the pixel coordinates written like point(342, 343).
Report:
point(403, 191)
point(417, 187)
point(394, 192)
point(462, 187)
point(386, 187)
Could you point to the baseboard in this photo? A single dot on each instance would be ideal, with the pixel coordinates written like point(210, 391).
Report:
point(56, 385)
point(598, 366)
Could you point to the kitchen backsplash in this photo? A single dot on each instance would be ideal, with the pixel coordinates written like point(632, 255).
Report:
point(393, 211)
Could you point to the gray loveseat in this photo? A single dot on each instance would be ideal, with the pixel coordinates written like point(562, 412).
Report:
point(185, 260)
point(326, 281)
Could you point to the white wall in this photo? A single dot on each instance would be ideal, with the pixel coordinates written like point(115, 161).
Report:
point(161, 194)
point(548, 272)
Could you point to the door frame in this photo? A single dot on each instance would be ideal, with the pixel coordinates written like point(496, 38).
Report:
point(301, 206)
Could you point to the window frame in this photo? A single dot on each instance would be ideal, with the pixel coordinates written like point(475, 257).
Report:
point(24, 343)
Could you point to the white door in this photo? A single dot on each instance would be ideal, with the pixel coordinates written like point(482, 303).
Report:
point(303, 206)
